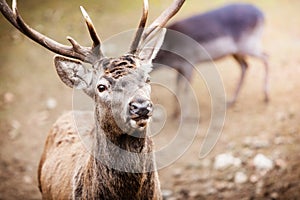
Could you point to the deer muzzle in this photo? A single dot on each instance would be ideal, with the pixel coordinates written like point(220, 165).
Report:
point(140, 110)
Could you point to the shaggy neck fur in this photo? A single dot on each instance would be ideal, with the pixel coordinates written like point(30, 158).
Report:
point(121, 167)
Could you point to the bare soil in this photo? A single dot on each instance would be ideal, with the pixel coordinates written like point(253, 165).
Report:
point(29, 85)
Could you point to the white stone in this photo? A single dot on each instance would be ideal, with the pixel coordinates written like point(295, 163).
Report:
point(177, 172)
point(51, 103)
point(256, 142)
point(27, 179)
point(240, 177)
point(9, 97)
point(253, 178)
point(166, 193)
point(223, 161)
point(274, 195)
point(15, 129)
point(261, 162)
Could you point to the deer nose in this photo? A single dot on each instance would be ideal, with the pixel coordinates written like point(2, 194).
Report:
point(140, 109)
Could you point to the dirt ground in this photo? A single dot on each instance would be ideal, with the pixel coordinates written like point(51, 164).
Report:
point(32, 97)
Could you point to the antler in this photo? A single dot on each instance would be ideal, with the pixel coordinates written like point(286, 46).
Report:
point(142, 34)
point(85, 54)
point(141, 27)
point(164, 17)
point(91, 27)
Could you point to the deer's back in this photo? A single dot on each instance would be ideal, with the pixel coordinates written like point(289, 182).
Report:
point(63, 153)
point(233, 19)
point(232, 29)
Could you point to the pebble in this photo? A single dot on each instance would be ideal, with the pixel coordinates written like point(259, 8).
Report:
point(240, 177)
point(9, 97)
point(51, 103)
point(15, 131)
point(166, 193)
point(223, 161)
point(261, 162)
point(177, 172)
point(274, 195)
point(27, 179)
point(256, 143)
point(253, 178)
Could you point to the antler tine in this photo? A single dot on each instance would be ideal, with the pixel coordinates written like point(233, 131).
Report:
point(141, 27)
point(91, 27)
point(162, 20)
point(76, 51)
point(14, 6)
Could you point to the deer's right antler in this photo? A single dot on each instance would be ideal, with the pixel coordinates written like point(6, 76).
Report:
point(164, 17)
point(142, 33)
point(85, 54)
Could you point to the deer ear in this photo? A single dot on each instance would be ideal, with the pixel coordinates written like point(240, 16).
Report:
point(150, 46)
point(73, 73)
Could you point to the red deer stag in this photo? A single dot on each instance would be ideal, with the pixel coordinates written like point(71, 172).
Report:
point(120, 163)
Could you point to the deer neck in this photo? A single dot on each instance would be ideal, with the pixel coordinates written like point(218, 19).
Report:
point(114, 146)
point(122, 160)
point(108, 134)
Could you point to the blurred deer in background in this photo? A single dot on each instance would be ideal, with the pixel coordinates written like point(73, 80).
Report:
point(120, 163)
point(233, 30)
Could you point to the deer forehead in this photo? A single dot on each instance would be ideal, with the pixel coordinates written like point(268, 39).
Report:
point(119, 67)
point(123, 71)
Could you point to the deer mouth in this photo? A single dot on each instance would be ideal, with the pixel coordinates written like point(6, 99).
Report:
point(140, 121)
point(140, 111)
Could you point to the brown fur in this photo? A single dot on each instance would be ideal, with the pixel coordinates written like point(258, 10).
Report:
point(92, 180)
point(117, 68)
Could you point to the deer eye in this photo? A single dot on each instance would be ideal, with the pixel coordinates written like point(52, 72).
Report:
point(101, 88)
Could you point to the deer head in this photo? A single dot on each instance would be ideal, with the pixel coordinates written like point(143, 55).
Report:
point(119, 86)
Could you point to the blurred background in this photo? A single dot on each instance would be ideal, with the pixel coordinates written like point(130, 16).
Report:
point(32, 97)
